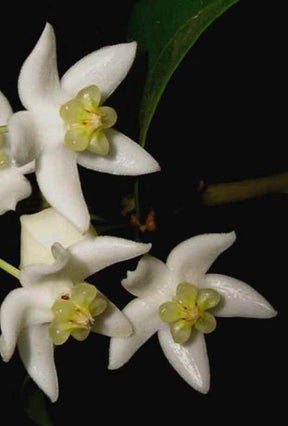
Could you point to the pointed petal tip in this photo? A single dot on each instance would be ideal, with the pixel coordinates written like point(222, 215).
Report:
point(112, 366)
point(48, 29)
point(271, 312)
point(205, 389)
point(114, 363)
point(5, 353)
point(54, 398)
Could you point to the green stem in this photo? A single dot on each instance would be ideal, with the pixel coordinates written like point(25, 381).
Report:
point(3, 129)
point(223, 193)
point(9, 268)
point(136, 198)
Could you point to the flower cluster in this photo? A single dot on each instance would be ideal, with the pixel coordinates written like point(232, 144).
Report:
point(65, 123)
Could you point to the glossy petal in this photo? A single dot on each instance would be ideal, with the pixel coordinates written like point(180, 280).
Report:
point(38, 84)
point(151, 276)
point(37, 353)
point(5, 110)
point(238, 299)
point(37, 273)
point(92, 255)
point(192, 258)
point(112, 322)
point(22, 307)
point(104, 68)
point(189, 360)
point(41, 230)
point(22, 137)
point(125, 157)
point(58, 179)
point(13, 188)
point(146, 321)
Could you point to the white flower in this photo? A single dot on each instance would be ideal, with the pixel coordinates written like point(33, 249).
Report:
point(39, 133)
point(13, 185)
point(27, 312)
point(155, 283)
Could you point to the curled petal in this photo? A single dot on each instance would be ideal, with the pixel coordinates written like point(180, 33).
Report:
point(37, 353)
point(105, 68)
point(190, 360)
point(145, 321)
point(92, 255)
point(34, 274)
point(58, 179)
point(22, 137)
point(13, 188)
point(41, 230)
point(238, 299)
point(125, 157)
point(150, 277)
point(38, 83)
point(112, 322)
point(21, 308)
point(5, 110)
point(192, 258)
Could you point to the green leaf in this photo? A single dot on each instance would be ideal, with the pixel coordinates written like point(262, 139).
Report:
point(165, 32)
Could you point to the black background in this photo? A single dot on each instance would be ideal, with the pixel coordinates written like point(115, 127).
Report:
point(222, 110)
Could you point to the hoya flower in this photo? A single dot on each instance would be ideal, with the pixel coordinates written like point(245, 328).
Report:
point(55, 302)
point(180, 301)
point(13, 185)
point(66, 123)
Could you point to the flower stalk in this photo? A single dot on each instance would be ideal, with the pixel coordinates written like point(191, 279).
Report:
point(224, 193)
point(9, 268)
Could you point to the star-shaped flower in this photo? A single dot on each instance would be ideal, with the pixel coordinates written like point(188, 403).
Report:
point(13, 185)
point(179, 300)
point(55, 301)
point(65, 123)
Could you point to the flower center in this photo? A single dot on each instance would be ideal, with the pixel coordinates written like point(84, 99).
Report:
point(75, 313)
point(189, 309)
point(4, 159)
point(86, 121)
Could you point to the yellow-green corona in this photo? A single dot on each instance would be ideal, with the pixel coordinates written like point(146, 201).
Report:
point(4, 159)
point(189, 309)
point(75, 313)
point(86, 122)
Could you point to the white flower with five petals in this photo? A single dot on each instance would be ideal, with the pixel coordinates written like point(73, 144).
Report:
point(28, 312)
point(164, 290)
point(39, 133)
point(13, 185)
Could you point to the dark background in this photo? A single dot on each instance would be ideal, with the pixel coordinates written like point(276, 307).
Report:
point(222, 111)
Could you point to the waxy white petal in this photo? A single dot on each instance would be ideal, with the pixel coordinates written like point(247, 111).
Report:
point(22, 307)
point(145, 321)
point(112, 322)
point(22, 137)
point(238, 298)
point(37, 353)
point(149, 278)
point(41, 230)
point(39, 84)
point(13, 188)
point(125, 157)
point(192, 258)
point(5, 110)
point(92, 255)
point(58, 179)
point(189, 360)
point(105, 68)
point(35, 274)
